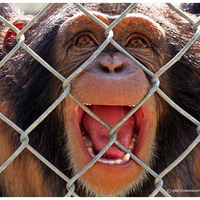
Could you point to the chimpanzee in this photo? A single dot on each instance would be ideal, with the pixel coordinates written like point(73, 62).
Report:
point(110, 86)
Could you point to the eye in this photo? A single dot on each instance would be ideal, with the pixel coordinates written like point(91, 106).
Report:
point(85, 41)
point(137, 42)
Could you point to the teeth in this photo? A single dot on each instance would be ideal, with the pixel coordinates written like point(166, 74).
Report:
point(118, 161)
point(84, 138)
point(88, 142)
point(126, 157)
point(130, 147)
point(133, 140)
point(124, 160)
point(111, 162)
point(83, 133)
point(86, 104)
point(134, 136)
point(90, 149)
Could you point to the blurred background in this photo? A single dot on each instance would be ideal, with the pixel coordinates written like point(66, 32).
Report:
point(30, 8)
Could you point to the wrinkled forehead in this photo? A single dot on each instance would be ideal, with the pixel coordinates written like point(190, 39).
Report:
point(132, 23)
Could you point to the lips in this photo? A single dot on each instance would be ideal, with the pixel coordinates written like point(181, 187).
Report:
point(95, 136)
point(87, 137)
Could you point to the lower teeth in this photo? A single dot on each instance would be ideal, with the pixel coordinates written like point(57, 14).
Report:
point(123, 160)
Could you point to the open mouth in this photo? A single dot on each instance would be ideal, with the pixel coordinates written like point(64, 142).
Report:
point(88, 137)
point(94, 136)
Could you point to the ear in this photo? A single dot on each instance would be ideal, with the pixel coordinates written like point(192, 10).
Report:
point(9, 40)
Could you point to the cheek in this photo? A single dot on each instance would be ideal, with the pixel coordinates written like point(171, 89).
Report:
point(146, 141)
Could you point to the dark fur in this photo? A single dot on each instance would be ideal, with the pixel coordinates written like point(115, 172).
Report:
point(36, 89)
point(192, 7)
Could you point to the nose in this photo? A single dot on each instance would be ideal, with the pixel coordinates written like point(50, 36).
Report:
point(110, 63)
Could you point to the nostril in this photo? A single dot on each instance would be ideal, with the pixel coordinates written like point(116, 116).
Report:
point(119, 68)
point(108, 69)
point(104, 68)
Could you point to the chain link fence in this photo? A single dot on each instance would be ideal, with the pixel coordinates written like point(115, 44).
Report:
point(24, 135)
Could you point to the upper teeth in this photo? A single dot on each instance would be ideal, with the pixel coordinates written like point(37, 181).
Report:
point(131, 106)
point(87, 104)
point(118, 161)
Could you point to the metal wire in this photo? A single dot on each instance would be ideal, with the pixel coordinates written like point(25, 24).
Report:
point(23, 135)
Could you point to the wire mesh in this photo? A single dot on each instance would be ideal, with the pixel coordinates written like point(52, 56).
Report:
point(23, 135)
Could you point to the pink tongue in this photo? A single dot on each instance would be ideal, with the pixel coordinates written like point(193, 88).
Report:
point(99, 134)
